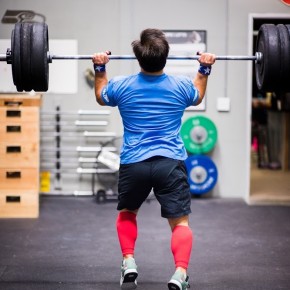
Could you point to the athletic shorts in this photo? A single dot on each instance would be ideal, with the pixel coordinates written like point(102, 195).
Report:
point(168, 179)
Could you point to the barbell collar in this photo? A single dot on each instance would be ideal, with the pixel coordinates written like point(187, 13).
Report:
point(9, 56)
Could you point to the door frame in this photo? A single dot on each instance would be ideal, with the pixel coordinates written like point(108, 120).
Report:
point(251, 18)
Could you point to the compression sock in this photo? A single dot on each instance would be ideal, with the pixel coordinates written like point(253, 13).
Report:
point(181, 244)
point(126, 225)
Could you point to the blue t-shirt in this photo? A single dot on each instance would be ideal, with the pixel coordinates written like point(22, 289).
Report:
point(151, 108)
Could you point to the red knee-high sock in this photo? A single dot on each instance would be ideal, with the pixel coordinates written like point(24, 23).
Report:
point(126, 225)
point(181, 244)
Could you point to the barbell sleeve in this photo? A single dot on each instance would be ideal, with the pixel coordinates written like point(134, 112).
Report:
point(3, 57)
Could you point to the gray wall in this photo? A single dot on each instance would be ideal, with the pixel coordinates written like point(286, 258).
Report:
point(113, 24)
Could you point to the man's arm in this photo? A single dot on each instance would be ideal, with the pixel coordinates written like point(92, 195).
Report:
point(206, 60)
point(101, 80)
point(200, 82)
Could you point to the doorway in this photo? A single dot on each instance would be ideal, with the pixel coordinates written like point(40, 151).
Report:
point(270, 135)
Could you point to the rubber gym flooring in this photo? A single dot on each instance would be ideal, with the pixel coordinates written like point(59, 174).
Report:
point(73, 245)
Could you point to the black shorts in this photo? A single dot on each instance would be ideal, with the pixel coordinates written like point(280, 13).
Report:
point(168, 179)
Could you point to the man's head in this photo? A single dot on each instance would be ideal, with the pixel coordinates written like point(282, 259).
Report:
point(151, 50)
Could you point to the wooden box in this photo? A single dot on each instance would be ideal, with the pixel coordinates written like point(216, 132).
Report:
point(19, 114)
point(20, 100)
point(19, 155)
point(19, 179)
point(19, 204)
point(20, 131)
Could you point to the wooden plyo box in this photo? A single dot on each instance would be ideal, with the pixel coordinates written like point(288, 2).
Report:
point(19, 204)
point(11, 131)
point(19, 179)
point(19, 155)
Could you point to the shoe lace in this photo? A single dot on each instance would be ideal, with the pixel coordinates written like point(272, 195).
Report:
point(187, 284)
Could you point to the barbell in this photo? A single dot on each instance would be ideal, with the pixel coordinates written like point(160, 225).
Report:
point(30, 57)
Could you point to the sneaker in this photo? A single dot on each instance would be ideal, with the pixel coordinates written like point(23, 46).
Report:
point(128, 274)
point(178, 281)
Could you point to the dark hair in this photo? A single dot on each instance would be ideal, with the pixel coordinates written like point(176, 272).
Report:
point(151, 50)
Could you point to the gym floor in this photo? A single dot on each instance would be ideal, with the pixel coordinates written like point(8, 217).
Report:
point(73, 245)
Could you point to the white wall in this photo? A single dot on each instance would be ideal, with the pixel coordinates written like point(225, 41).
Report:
point(113, 24)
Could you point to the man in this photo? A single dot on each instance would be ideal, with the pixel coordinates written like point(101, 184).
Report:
point(151, 104)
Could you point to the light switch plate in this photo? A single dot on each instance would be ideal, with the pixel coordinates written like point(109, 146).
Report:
point(223, 104)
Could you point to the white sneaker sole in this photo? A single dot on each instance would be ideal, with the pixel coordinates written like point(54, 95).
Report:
point(129, 280)
point(174, 285)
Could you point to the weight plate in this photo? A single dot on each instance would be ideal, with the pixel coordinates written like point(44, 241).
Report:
point(199, 134)
point(25, 56)
point(268, 70)
point(16, 57)
point(288, 27)
point(39, 60)
point(285, 57)
point(202, 174)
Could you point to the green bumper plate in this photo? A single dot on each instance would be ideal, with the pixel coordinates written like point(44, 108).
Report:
point(199, 134)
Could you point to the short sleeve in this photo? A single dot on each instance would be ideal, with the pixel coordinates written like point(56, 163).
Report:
point(107, 94)
point(190, 91)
